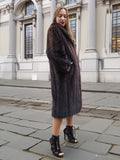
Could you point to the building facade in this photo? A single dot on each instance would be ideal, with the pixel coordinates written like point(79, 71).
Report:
point(23, 32)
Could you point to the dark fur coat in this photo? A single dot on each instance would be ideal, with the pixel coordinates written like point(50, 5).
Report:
point(66, 86)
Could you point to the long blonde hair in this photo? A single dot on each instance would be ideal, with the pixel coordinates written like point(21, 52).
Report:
point(67, 23)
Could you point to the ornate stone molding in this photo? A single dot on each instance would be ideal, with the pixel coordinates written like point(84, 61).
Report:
point(61, 3)
point(39, 1)
point(7, 9)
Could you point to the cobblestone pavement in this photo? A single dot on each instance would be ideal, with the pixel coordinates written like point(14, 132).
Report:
point(26, 126)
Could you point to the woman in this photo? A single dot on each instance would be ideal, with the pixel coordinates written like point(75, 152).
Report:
point(65, 78)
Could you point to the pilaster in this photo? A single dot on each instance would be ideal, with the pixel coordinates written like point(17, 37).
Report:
point(9, 67)
point(78, 34)
point(39, 28)
point(89, 60)
point(91, 41)
point(52, 9)
point(108, 28)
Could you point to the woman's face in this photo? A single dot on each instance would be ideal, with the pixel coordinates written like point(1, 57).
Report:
point(62, 17)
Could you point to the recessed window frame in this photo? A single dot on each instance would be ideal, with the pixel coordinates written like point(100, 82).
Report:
point(28, 41)
point(115, 28)
point(73, 17)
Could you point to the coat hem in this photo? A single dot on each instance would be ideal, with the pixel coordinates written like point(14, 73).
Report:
point(54, 116)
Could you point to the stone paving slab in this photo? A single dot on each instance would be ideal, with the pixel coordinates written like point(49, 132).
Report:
point(112, 100)
point(111, 157)
point(2, 142)
point(97, 125)
point(30, 124)
point(7, 153)
point(108, 108)
point(9, 136)
point(105, 138)
point(16, 129)
point(113, 130)
point(86, 136)
point(23, 143)
point(74, 145)
point(115, 150)
point(32, 115)
point(18, 141)
point(4, 109)
point(103, 113)
point(47, 133)
point(43, 134)
point(81, 120)
point(117, 123)
point(117, 117)
point(89, 98)
point(71, 154)
point(25, 93)
point(96, 147)
point(8, 119)
point(43, 148)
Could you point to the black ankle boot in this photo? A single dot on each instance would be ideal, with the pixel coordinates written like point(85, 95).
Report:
point(68, 132)
point(55, 146)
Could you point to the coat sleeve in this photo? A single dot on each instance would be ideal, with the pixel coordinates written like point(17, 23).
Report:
point(56, 51)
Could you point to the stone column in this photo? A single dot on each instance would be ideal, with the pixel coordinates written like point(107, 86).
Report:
point(39, 28)
point(108, 28)
point(91, 41)
point(9, 66)
point(52, 9)
point(78, 34)
point(12, 33)
point(90, 60)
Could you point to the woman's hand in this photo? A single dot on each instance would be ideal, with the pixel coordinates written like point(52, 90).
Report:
point(69, 67)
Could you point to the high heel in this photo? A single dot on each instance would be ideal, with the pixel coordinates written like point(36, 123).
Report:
point(55, 146)
point(68, 133)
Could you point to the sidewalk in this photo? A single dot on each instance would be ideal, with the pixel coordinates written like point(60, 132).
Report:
point(25, 129)
point(26, 122)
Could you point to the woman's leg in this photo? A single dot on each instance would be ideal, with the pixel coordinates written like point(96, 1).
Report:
point(69, 121)
point(69, 130)
point(55, 137)
point(56, 126)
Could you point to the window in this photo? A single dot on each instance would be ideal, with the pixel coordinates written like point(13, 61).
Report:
point(73, 24)
point(28, 41)
point(70, 1)
point(116, 28)
point(29, 8)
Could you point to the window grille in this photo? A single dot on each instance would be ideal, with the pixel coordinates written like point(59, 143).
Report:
point(29, 8)
point(116, 28)
point(70, 1)
point(73, 24)
point(28, 41)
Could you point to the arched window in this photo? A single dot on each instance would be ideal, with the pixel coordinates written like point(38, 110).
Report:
point(28, 31)
point(29, 8)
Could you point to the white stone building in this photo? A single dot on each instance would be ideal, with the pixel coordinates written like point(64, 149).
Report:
point(23, 32)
